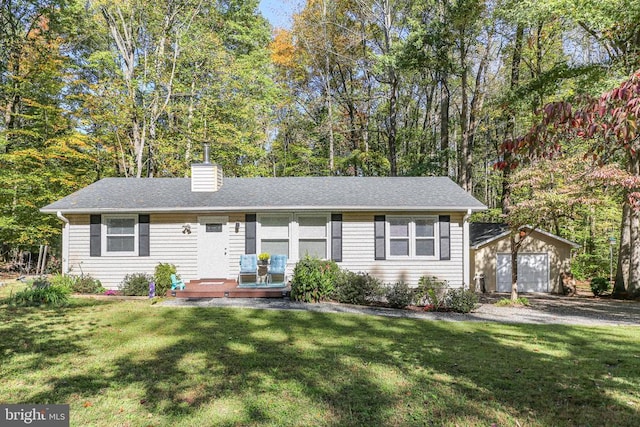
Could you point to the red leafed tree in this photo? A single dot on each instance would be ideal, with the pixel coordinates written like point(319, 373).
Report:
point(610, 125)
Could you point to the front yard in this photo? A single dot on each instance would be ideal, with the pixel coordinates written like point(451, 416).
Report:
point(131, 363)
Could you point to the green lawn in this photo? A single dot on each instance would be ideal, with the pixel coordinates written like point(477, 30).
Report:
point(132, 363)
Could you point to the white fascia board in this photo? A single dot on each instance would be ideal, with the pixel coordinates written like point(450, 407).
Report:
point(266, 209)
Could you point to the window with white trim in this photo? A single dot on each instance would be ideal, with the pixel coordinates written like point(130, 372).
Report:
point(312, 236)
point(274, 234)
point(411, 237)
point(294, 235)
point(120, 235)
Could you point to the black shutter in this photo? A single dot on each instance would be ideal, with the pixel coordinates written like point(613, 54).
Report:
point(445, 237)
point(250, 234)
point(336, 237)
point(379, 221)
point(143, 235)
point(95, 229)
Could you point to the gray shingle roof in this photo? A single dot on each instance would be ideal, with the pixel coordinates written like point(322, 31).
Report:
point(480, 232)
point(263, 194)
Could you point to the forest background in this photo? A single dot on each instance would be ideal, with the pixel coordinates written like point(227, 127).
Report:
point(94, 88)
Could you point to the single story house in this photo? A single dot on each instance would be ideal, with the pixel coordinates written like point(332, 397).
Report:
point(542, 259)
point(395, 228)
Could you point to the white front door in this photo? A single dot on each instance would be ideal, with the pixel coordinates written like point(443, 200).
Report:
point(533, 272)
point(213, 245)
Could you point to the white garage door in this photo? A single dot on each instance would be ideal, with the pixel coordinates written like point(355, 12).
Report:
point(533, 272)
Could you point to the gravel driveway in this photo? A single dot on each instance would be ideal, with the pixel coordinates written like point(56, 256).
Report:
point(543, 309)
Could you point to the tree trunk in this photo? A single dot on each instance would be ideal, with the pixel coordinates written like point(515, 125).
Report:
point(327, 87)
point(511, 119)
point(393, 117)
point(624, 253)
point(444, 123)
point(392, 79)
point(633, 286)
point(506, 173)
point(465, 149)
point(514, 266)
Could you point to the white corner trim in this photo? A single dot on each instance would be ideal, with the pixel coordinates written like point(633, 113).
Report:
point(466, 258)
point(65, 243)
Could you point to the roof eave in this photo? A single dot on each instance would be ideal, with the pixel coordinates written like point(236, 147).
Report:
point(264, 209)
point(491, 239)
point(545, 233)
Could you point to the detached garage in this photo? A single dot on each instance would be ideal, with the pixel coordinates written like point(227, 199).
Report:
point(541, 259)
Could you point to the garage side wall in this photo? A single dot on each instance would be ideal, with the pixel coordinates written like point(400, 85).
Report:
point(485, 257)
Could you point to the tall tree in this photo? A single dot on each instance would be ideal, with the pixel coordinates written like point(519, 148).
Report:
point(42, 155)
point(609, 123)
point(185, 72)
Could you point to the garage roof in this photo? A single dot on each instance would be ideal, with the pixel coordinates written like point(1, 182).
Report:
point(483, 233)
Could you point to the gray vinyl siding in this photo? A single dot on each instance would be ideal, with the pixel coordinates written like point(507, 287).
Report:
point(358, 253)
point(168, 244)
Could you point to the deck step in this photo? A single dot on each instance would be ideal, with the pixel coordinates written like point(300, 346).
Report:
point(225, 288)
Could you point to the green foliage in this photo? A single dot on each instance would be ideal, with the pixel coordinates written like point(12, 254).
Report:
point(399, 295)
point(84, 284)
point(461, 300)
point(41, 293)
point(162, 278)
point(508, 302)
point(430, 291)
point(586, 265)
point(600, 285)
point(40, 282)
point(313, 279)
point(65, 281)
point(356, 288)
point(136, 284)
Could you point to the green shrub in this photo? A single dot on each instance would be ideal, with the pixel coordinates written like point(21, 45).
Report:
point(39, 294)
point(86, 284)
point(430, 291)
point(136, 284)
point(65, 281)
point(356, 288)
point(461, 300)
point(313, 279)
point(586, 265)
point(162, 278)
point(40, 282)
point(399, 295)
point(509, 302)
point(600, 285)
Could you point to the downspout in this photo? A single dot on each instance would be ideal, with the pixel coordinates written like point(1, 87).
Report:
point(65, 243)
point(466, 261)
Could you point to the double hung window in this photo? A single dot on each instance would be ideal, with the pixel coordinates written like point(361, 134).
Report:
point(120, 235)
point(274, 234)
point(411, 237)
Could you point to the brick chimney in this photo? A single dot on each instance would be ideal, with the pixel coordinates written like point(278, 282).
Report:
point(206, 176)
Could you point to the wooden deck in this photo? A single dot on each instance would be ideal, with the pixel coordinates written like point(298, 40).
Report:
point(224, 288)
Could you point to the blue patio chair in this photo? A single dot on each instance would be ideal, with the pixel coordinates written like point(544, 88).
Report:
point(176, 284)
point(278, 268)
point(248, 269)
